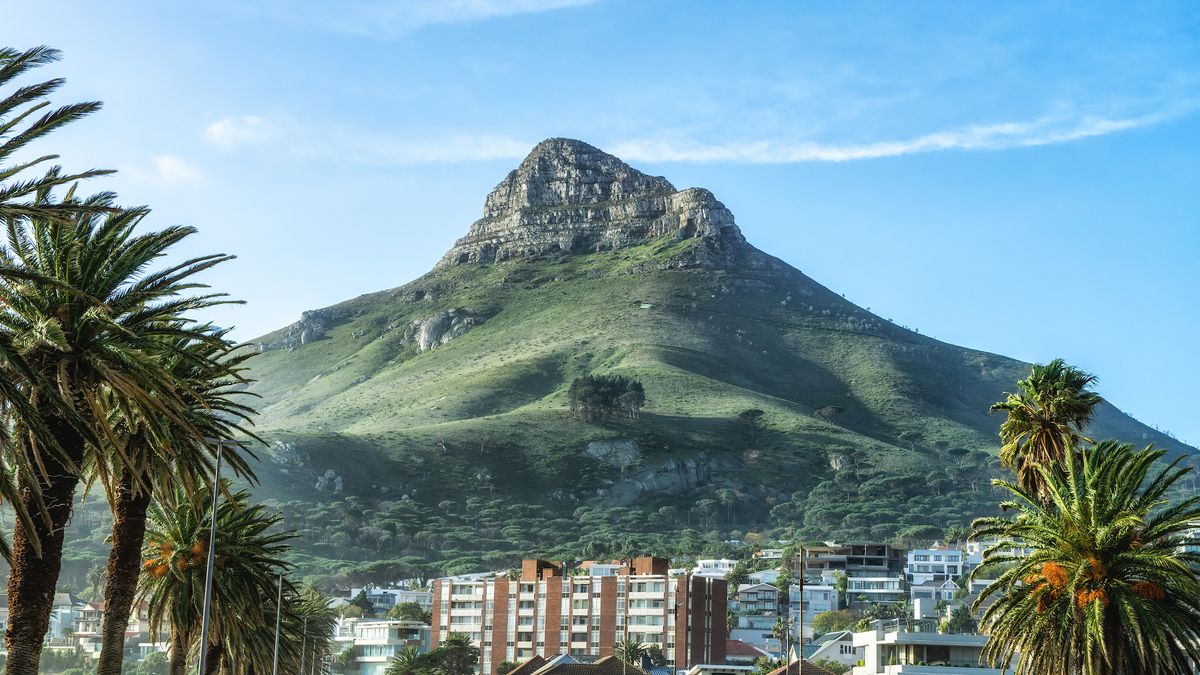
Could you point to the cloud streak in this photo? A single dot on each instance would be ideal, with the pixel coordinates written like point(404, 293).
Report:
point(390, 19)
point(228, 133)
point(1044, 131)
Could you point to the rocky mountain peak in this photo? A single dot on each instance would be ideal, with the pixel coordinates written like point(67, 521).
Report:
point(567, 196)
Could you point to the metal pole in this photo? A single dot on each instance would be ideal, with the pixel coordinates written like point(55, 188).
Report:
point(303, 644)
point(278, 616)
point(206, 614)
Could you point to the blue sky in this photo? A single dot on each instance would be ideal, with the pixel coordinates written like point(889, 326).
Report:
point(1012, 177)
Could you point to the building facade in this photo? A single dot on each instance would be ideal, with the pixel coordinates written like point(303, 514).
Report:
point(928, 565)
point(545, 612)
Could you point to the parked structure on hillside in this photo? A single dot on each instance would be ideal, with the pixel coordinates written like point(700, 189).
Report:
point(545, 612)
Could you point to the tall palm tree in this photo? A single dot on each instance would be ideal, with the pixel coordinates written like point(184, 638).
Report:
point(1046, 415)
point(20, 125)
point(89, 322)
point(1108, 587)
point(248, 557)
point(208, 369)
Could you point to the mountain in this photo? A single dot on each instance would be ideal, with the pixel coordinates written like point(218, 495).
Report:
point(430, 422)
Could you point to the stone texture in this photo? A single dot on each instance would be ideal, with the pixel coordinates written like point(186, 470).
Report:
point(568, 196)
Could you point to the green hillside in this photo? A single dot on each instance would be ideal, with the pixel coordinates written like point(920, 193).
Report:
point(465, 452)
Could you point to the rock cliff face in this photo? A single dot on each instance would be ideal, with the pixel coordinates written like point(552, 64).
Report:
point(568, 196)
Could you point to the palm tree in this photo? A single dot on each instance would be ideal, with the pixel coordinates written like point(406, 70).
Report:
point(409, 661)
point(1045, 416)
point(630, 651)
point(19, 126)
point(89, 322)
point(208, 369)
point(248, 557)
point(1108, 587)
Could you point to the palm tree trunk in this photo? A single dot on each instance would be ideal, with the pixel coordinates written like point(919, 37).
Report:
point(124, 565)
point(32, 579)
point(177, 662)
point(212, 661)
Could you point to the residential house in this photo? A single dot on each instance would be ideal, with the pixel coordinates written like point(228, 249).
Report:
point(374, 643)
point(927, 565)
point(809, 600)
point(716, 568)
point(915, 647)
point(836, 646)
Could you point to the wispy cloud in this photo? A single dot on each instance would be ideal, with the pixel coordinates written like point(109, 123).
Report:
point(165, 170)
point(1048, 130)
point(232, 132)
point(387, 19)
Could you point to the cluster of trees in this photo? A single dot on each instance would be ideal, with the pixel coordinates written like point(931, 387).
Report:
point(1110, 585)
point(108, 379)
point(597, 397)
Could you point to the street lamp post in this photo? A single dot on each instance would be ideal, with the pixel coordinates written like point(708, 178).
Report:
point(206, 612)
point(278, 616)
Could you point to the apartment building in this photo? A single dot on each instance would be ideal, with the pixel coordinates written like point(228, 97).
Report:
point(807, 602)
point(910, 647)
point(928, 565)
point(864, 560)
point(545, 612)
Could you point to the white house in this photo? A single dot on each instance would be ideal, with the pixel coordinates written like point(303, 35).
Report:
point(915, 647)
point(374, 643)
point(875, 589)
point(807, 602)
point(927, 565)
point(835, 646)
point(716, 568)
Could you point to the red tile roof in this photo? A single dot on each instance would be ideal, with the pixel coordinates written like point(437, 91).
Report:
point(800, 668)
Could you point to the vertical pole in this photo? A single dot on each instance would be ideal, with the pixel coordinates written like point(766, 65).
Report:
point(206, 614)
point(303, 645)
point(278, 616)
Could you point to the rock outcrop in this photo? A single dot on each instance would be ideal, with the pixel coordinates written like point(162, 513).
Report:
point(568, 196)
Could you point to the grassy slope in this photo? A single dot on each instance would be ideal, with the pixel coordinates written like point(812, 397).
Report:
point(365, 403)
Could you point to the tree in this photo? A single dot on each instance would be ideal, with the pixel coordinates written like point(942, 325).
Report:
point(655, 655)
point(247, 561)
point(740, 574)
point(362, 602)
point(410, 611)
point(751, 419)
point(596, 397)
point(837, 619)
point(208, 369)
point(1108, 587)
point(456, 655)
point(410, 661)
point(1044, 417)
point(502, 669)
point(21, 127)
point(960, 621)
point(91, 319)
point(630, 651)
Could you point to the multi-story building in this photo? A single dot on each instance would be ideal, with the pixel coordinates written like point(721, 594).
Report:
point(761, 599)
point(905, 646)
point(384, 599)
point(926, 565)
point(807, 602)
point(544, 613)
point(864, 560)
point(717, 567)
point(374, 643)
point(860, 590)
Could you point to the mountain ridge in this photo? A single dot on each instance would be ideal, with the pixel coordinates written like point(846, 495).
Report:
point(454, 384)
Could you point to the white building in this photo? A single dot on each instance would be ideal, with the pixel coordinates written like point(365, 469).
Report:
point(910, 647)
point(806, 602)
point(763, 577)
point(937, 591)
point(384, 599)
point(716, 568)
point(875, 589)
point(927, 565)
point(374, 643)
